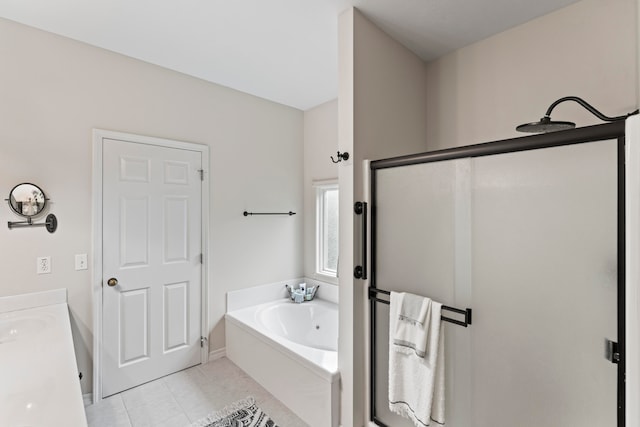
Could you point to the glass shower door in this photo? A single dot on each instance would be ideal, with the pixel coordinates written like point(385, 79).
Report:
point(545, 287)
point(529, 241)
point(417, 208)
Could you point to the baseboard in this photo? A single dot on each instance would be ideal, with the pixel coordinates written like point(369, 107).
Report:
point(217, 354)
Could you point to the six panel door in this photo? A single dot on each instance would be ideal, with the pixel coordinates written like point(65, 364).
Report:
point(151, 262)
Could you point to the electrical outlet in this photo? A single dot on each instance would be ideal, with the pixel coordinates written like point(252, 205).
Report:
point(81, 261)
point(43, 265)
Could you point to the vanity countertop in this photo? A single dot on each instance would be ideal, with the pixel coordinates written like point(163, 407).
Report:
point(39, 384)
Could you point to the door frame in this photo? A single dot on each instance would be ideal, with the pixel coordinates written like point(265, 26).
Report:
point(99, 135)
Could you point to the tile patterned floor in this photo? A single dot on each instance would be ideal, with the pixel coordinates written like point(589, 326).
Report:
point(179, 399)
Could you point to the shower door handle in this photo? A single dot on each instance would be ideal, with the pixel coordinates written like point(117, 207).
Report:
point(360, 271)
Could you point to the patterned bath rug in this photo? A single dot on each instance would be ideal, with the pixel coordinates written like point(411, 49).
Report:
point(243, 413)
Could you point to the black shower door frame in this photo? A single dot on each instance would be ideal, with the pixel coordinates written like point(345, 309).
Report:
point(608, 131)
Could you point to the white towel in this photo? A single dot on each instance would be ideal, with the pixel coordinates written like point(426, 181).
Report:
point(411, 332)
point(416, 384)
point(413, 308)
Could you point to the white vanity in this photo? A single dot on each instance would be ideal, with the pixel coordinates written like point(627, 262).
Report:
point(39, 384)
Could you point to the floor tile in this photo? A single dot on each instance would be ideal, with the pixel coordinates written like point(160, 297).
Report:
point(180, 420)
point(222, 370)
point(191, 398)
point(109, 412)
point(191, 376)
point(149, 392)
point(280, 414)
point(201, 411)
point(155, 412)
point(185, 397)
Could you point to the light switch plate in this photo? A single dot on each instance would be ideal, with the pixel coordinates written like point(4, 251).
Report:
point(81, 261)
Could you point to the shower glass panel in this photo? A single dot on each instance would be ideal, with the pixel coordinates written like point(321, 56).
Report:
point(416, 216)
point(528, 240)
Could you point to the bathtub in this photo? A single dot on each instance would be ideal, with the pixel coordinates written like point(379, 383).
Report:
point(291, 350)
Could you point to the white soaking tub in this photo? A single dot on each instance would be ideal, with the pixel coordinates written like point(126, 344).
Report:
point(291, 350)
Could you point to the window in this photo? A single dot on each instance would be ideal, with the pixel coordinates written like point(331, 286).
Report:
point(327, 229)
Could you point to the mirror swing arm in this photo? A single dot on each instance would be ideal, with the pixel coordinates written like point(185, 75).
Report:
point(28, 201)
point(50, 223)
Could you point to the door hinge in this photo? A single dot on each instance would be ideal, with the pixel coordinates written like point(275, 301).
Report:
point(202, 340)
point(201, 259)
point(201, 171)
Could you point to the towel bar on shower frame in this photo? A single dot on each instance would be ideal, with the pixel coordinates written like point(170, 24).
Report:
point(466, 312)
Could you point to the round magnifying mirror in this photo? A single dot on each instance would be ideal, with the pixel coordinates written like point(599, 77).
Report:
point(27, 200)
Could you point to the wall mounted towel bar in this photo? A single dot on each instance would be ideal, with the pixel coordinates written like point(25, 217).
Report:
point(467, 312)
point(245, 213)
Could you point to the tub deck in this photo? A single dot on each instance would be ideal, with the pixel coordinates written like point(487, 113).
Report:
point(305, 379)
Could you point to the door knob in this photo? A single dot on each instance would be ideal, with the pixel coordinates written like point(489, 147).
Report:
point(112, 282)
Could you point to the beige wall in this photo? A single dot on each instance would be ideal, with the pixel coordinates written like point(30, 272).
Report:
point(320, 143)
point(54, 90)
point(348, 389)
point(382, 104)
point(481, 92)
point(476, 94)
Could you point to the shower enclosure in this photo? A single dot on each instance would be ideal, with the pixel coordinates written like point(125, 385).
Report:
point(530, 234)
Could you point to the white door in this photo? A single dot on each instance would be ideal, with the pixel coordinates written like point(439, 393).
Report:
point(152, 270)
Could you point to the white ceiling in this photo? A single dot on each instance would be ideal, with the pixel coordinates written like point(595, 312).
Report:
point(281, 50)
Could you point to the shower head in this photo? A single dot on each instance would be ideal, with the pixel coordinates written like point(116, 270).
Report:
point(547, 125)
